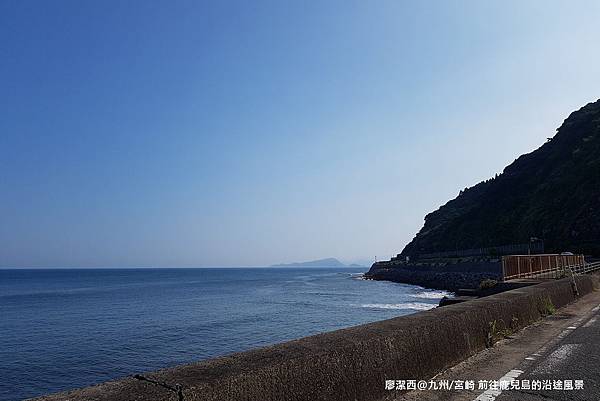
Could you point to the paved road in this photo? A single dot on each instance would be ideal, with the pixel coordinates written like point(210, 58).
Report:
point(574, 355)
point(560, 351)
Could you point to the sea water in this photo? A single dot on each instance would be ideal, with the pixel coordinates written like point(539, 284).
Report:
point(67, 328)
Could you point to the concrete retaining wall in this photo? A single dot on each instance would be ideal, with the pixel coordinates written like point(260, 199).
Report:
point(348, 364)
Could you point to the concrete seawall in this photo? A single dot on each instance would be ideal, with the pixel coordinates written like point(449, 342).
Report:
point(348, 364)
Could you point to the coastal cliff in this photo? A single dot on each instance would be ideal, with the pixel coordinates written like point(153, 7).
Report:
point(552, 193)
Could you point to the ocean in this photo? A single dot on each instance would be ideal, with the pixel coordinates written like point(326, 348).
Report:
point(67, 328)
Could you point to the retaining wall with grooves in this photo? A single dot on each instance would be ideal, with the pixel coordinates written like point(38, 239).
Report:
point(348, 364)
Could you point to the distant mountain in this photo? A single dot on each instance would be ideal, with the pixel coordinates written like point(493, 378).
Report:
point(552, 193)
point(329, 262)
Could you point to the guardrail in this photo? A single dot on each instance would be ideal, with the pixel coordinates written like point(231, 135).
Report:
point(545, 266)
point(586, 268)
point(539, 266)
point(533, 248)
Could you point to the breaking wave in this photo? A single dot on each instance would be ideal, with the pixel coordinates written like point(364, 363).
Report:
point(408, 305)
point(431, 294)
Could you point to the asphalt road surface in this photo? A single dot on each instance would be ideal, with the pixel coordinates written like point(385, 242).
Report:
point(557, 358)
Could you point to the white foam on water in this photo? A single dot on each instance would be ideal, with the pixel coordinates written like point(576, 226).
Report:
point(431, 294)
point(408, 305)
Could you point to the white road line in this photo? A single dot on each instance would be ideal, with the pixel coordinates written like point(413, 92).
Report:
point(491, 394)
point(560, 355)
point(564, 333)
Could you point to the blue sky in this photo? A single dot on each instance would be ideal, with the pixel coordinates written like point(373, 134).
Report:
point(235, 133)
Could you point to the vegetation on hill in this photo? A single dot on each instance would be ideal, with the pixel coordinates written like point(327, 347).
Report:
point(552, 193)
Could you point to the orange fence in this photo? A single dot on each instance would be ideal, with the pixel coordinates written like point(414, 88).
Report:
point(539, 266)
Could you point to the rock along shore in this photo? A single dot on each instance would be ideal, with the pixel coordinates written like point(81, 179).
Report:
point(449, 277)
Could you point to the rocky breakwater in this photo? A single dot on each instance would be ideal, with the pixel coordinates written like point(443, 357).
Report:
point(438, 275)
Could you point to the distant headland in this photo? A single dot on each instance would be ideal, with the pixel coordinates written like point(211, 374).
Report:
point(329, 262)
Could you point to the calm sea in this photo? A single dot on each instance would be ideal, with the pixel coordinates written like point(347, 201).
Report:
point(67, 328)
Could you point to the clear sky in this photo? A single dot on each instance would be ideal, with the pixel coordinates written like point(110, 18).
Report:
point(246, 133)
